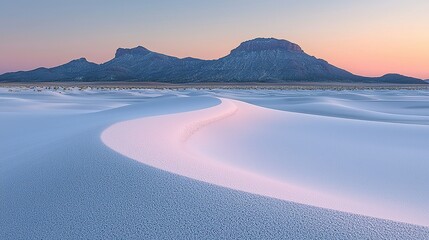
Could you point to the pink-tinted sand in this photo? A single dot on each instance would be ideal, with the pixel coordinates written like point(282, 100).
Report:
point(162, 142)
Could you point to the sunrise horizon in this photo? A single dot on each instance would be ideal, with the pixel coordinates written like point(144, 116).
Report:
point(97, 60)
point(366, 38)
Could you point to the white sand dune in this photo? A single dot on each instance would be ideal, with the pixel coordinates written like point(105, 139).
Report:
point(58, 180)
point(195, 144)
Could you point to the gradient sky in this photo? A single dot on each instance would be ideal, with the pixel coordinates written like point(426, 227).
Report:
point(367, 37)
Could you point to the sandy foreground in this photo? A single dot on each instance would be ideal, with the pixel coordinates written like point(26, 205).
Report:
point(162, 142)
point(212, 164)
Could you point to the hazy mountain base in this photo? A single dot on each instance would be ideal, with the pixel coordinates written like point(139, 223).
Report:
point(118, 85)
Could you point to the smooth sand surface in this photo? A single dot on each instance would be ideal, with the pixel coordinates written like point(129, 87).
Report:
point(58, 180)
point(162, 142)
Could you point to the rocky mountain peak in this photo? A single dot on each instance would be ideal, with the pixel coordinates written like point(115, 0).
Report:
point(131, 51)
point(267, 44)
point(79, 60)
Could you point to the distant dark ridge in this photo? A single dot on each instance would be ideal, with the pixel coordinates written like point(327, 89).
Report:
point(263, 60)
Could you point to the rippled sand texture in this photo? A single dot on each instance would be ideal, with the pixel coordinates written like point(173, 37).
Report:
point(58, 180)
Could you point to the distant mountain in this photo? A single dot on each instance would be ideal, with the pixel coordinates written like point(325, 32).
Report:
point(270, 60)
point(257, 60)
point(76, 70)
point(397, 78)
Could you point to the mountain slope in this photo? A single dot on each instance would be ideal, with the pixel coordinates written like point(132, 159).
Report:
point(257, 60)
point(268, 59)
point(397, 78)
point(75, 70)
point(141, 64)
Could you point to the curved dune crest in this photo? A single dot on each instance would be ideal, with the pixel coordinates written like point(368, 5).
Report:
point(161, 142)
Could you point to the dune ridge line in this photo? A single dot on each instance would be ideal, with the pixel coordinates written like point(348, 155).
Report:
point(160, 142)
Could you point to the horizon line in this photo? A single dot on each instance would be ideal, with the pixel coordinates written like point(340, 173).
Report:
point(209, 59)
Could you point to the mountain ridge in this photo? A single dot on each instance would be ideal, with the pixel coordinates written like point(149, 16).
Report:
point(256, 60)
